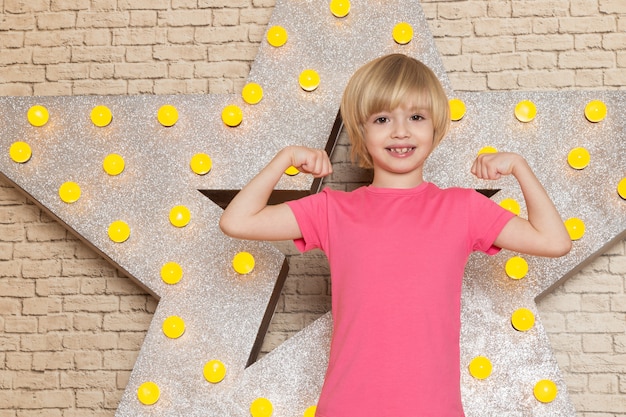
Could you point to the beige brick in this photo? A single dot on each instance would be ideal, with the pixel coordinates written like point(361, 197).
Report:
point(90, 341)
point(40, 268)
point(102, 19)
point(143, 18)
point(140, 70)
point(451, 29)
point(19, 361)
point(503, 27)
point(583, 8)
point(20, 324)
point(140, 87)
point(59, 5)
point(33, 307)
point(97, 37)
point(88, 379)
point(126, 322)
point(597, 343)
point(612, 6)
point(223, 3)
point(97, 303)
point(498, 62)
point(176, 70)
point(600, 403)
point(119, 360)
point(183, 35)
point(36, 381)
point(98, 54)
point(55, 322)
point(89, 399)
point(594, 282)
point(212, 35)
point(180, 52)
point(50, 361)
point(540, 8)
point(499, 9)
point(12, 233)
point(227, 17)
point(218, 69)
point(101, 71)
point(587, 59)
point(139, 36)
point(258, 17)
point(586, 41)
point(63, 286)
point(587, 25)
point(185, 18)
point(546, 42)
point(595, 322)
point(56, 21)
point(143, 4)
point(15, 56)
point(463, 10)
point(87, 267)
point(51, 39)
point(88, 360)
point(25, 6)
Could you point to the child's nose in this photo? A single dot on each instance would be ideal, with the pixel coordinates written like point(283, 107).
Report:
point(400, 130)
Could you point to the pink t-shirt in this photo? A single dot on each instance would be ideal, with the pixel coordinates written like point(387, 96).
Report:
point(397, 258)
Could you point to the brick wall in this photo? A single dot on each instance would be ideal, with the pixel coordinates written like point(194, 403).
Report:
point(71, 325)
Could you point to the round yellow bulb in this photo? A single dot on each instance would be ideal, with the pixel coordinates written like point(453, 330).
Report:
point(511, 205)
point(545, 391)
point(310, 412)
point(480, 367)
point(487, 149)
point(525, 111)
point(37, 115)
point(252, 93)
point(232, 115)
point(595, 111)
point(523, 319)
point(621, 188)
point(201, 163)
point(119, 231)
point(309, 80)
point(173, 327)
point(291, 171)
point(148, 393)
point(113, 164)
point(457, 109)
point(167, 115)
point(277, 36)
point(180, 216)
point(261, 407)
point(171, 273)
point(402, 33)
point(516, 267)
point(578, 158)
point(20, 152)
point(101, 116)
point(243, 263)
point(575, 227)
point(214, 371)
point(69, 192)
point(340, 8)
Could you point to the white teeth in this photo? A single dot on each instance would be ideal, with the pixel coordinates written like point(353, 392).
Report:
point(400, 150)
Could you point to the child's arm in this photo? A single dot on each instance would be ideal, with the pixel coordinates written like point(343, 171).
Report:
point(248, 216)
point(544, 233)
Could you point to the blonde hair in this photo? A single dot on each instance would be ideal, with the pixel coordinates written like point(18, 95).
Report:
point(382, 85)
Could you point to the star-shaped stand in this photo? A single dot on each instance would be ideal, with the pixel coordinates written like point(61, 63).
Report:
point(151, 214)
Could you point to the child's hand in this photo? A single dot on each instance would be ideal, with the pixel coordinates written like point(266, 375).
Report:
point(310, 161)
point(492, 166)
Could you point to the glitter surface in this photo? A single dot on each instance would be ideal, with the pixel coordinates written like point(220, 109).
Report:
point(223, 310)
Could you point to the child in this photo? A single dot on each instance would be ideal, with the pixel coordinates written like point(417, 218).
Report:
point(397, 248)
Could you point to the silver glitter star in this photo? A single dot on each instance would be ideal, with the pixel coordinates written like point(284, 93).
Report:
point(222, 310)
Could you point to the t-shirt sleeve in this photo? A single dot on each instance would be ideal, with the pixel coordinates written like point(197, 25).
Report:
point(486, 221)
point(311, 213)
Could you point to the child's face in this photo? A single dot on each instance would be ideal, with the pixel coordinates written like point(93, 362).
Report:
point(399, 141)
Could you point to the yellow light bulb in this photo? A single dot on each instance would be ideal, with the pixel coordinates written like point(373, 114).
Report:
point(487, 149)
point(148, 393)
point(243, 263)
point(252, 93)
point(261, 407)
point(232, 115)
point(523, 319)
point(457, 109)
point(173, 327)
point(525, 111)
point(171, 273)
point(37, 115)
point(180, 216)
point(480, 367)
point(214, 371)
point(516, 267)
point(20, 152)
point(402, 33)
point(277, 36)
point(101, 116)
point(309, 80)
point(510, 205)
point(69, 192)
point(340, 8)
point(575, 227)
point(167, 115)
point(595, 111)
point(119, 231)
point(578, 158)
point(291, 171)
point(113, 164)
point(545, 391)
point(201, 163)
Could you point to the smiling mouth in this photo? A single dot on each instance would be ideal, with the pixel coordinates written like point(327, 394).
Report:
point(401, 151)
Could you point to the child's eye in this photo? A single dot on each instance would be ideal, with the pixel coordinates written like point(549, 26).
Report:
point(381, 119)
point(417, 117)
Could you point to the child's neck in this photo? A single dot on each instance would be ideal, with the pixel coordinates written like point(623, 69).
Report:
point(397, 181)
